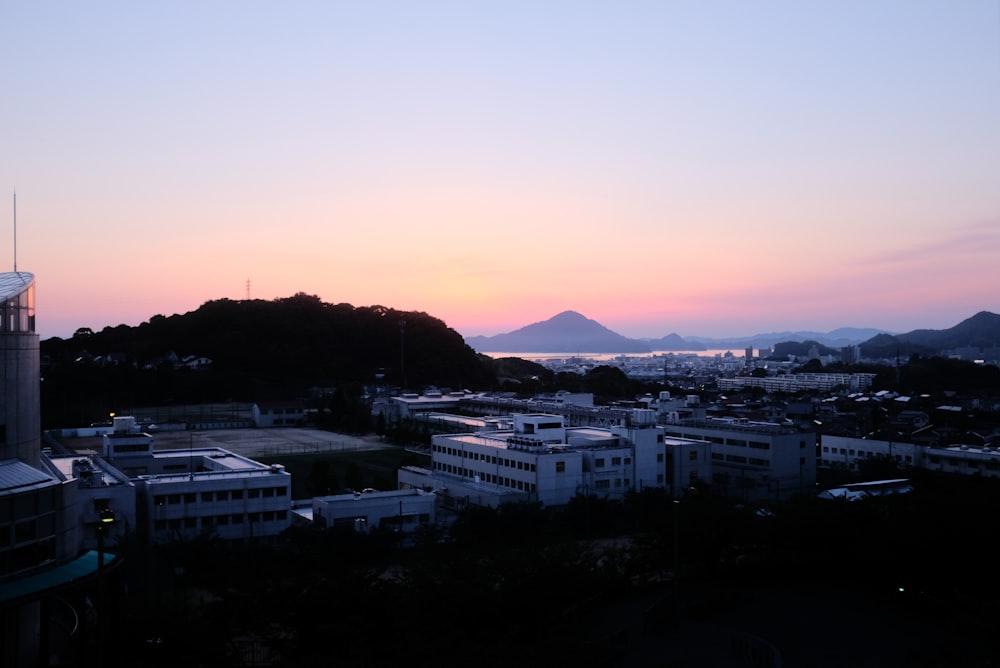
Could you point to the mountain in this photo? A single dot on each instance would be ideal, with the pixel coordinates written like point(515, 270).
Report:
point(675, 342)
point(980, 331)
point(567, 332)
point(838, 338)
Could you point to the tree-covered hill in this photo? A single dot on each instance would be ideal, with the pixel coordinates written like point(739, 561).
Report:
point(257, 350)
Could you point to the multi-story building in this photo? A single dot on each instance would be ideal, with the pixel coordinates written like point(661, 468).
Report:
point(849, 453)
point(799, 382)
point(540, 459)
point(755, 461)
point(39, 536)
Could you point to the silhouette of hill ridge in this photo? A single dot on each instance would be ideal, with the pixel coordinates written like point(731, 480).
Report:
point(287, 340)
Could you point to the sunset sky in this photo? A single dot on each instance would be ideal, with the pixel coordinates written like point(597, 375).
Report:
point(705, 168)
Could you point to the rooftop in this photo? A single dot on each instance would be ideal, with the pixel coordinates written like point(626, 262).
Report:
point(14, 282)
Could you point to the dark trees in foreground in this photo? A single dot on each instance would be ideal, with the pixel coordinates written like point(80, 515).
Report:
point(535, 583)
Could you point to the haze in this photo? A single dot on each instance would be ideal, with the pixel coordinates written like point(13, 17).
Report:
point(711, 169)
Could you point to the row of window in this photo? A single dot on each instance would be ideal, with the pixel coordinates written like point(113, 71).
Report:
point(220, 520)
point(738, 442)
point(606, 484)
point(219, 495)
point(27, 530)
point(863, 453)
point(489, 459)
point(617, 461)
point(486, 477)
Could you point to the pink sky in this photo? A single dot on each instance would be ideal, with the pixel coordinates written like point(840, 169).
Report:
point(659, 169)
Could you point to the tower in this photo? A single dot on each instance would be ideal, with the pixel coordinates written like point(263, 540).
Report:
point(20, 423)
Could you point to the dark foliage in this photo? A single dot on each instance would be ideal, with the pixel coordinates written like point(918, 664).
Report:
point(258, 349)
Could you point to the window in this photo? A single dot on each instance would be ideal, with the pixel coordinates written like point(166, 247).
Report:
point(693, 456)
point(616, 461)
point(659, 456)
point(560, 467)
point(599, 462)
point(237, 494)
point(602, 484)
point(628, 461)
point(659, 478)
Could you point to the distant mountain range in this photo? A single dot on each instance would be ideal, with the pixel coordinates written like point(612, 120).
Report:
point(571, 332)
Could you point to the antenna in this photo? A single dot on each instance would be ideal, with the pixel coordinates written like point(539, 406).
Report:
point(248, 289)
point(15, 231)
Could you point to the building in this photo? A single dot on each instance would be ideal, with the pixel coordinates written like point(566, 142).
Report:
point(540, 459)
point(102, 491)
point(849, 453)
point(754, 461)
point(43, 574)
point(403, 510)
point(800, 382)
point(214, 493)
point(279, 414)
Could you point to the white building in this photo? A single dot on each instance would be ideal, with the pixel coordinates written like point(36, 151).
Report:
point(279, 414)
point(105, 501)
point(799, 382)
point(755, 461)
point(404, 510)
point(212, 492)
point(540, 459)
point(847, 452)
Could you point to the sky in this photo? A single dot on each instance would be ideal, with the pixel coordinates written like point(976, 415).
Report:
point(703, 168)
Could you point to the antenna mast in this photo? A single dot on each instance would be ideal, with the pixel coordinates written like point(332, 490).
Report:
point(248, 289)
point(15, 231)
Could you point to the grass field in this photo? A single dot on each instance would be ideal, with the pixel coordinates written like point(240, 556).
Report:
point(333, 473)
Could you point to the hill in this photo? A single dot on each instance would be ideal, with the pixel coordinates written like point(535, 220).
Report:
point(980, 331)
point(567, 332)
point(256, 350)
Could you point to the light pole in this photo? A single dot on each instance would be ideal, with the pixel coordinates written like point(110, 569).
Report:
point(105, 519)
point(677, 556)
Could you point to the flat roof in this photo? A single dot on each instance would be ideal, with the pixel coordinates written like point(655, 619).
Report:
point(109, 474)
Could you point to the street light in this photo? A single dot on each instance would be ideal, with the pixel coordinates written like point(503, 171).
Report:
point(105, 518)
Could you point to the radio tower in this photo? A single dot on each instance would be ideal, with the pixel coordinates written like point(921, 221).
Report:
point(248, 289)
